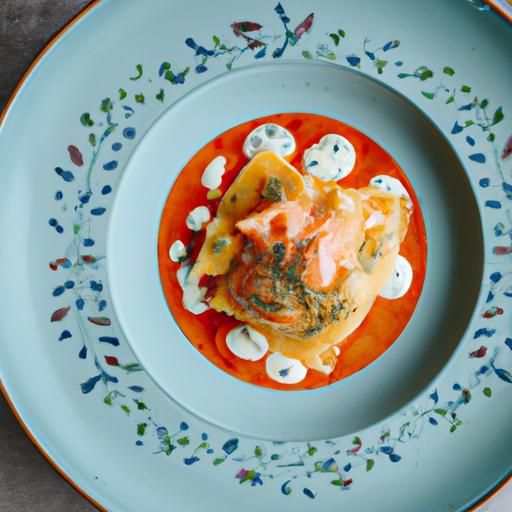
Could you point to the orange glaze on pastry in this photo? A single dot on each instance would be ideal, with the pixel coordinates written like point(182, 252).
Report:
point(207, 332)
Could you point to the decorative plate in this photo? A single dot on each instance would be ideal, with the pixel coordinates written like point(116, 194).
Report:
point(91, 358)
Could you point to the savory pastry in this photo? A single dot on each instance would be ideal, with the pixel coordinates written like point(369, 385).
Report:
point(297, 259)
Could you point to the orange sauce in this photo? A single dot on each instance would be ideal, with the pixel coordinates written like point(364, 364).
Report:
point(207, 332)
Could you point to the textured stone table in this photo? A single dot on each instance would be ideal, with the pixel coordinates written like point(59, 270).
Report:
point(27, 482)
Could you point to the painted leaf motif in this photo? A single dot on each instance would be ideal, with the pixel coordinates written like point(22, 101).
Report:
point(257, 44)
point(99, 320)
point(67, 176)
point(391, 45)
point(88, 385)
point(285, 488)
point(498, 116)
point(230, 446)
point(478, 157)
point(335, 39)
point(304, 26)
point(139, 72)
point(507, 149)
point(479, 353)
point(75, 155)
point(353, 60)
point(111, 360)
point(309, 493)
point(503, 375)
point(240, 27)
point(457, 128)
point(484, 332)
point(59, 314)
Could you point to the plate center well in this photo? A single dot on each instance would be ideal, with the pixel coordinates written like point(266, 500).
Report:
point(444, 309)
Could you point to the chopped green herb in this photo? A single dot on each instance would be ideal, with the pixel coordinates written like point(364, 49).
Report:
point(273, 190)
point(279, 251)
point(313, 330)
point(291, 271)
point(219, 244)
point(335, 311)
point(271, 307)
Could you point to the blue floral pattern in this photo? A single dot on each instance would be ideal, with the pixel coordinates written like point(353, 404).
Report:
point(82, 315)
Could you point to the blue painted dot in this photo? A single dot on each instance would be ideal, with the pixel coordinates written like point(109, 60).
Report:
point(97, 287)
point(110, 166)
point(209, 451)
point(85, 198)
point(98, 211)
point(88, 242)
point(478, 157)
point(456, 387)
point(183, 426)
point(80, 303)
point(116, 146)
point(59, 229)
point(484, 182)
point(204, 436)
point(139, 443)
point(106, 190)
point(470, 140)
point(69, 284)
point(496, 277)
point(129, 133)
point(64, 335)
point(53, 222)
point(58, 195)
point(496, 205)
point(58, 291)
point(399, 63)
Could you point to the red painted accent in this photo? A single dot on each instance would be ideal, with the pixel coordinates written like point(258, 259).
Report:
point(75, 155)
point(501, 250)
point(111, 360)
point(480, 352)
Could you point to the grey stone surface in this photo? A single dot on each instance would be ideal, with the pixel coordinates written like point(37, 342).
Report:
point(27, 482)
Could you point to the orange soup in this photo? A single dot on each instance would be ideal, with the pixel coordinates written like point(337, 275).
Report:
point(207, 331)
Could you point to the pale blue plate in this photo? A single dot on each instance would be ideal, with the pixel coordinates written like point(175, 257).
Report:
point(426, 427)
